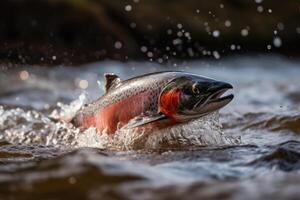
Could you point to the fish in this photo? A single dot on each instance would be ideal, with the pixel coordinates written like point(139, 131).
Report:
point(160, 99)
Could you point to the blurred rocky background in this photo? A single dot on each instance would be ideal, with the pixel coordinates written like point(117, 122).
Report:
point(80, 31)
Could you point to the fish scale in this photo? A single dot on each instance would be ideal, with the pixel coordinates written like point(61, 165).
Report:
point(151, 84)
point(140, 96)
point(129, 88)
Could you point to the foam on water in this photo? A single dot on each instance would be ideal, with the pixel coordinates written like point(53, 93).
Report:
point(205, 131)
point(32, 127)
point(67, 111)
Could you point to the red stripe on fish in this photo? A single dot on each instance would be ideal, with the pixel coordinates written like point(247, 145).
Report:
point(125, 100)
point(121, 112)
point(169, 102)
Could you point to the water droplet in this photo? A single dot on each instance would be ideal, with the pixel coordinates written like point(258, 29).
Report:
point(277, 42)
point(144, 49)
point(187, 34)
point(244, 32)
point(83, 84)
point(179, 34)
point(280, 26)
point(232, 47)
point(99, 84)
point(179, 26)
point(24, 75)
point(216, 33)
point(216, 55)
point(260, 9)
point(177, 41)
point(132, 25)
point(150, 54)
point(118, 45)
point(227, 23)
point(128, 8)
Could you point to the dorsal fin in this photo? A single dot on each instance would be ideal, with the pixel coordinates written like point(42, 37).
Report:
point(111, 81)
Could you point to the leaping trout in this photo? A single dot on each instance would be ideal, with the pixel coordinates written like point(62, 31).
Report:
point(162, 99)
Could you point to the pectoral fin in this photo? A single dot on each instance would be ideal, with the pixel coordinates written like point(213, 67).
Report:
point(144, 120)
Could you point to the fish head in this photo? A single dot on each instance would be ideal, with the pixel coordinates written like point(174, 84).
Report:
point(191, 96)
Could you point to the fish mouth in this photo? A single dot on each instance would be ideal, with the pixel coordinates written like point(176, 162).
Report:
point(218, 96)
point(215, 100)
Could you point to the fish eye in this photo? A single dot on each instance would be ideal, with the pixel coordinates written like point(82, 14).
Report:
point(195, 89)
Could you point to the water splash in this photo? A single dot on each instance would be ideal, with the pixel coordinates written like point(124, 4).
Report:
point(66, 112)
point(32, 127)
point(205, 131)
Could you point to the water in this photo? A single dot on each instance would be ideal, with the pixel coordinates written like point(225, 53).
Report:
point(250, 150)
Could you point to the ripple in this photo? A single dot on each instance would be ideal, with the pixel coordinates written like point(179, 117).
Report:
point(271, 121)
point(59, 177)
point(286, 157)
point(93, 174)
point(277, 123)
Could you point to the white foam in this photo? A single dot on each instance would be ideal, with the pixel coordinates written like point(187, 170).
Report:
point(68, 111)
point(32, 127)
point(205, 131)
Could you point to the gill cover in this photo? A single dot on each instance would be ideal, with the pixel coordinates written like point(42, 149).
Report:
point(168, 102)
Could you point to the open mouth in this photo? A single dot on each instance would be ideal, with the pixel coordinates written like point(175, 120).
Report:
point(219, 97)
point(216, 99)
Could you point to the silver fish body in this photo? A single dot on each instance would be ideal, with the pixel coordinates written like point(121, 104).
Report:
point(168, 97)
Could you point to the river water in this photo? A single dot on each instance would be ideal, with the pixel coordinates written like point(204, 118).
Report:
point(249, 150)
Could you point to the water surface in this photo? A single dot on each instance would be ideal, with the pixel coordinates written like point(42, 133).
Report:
point(250, 150)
